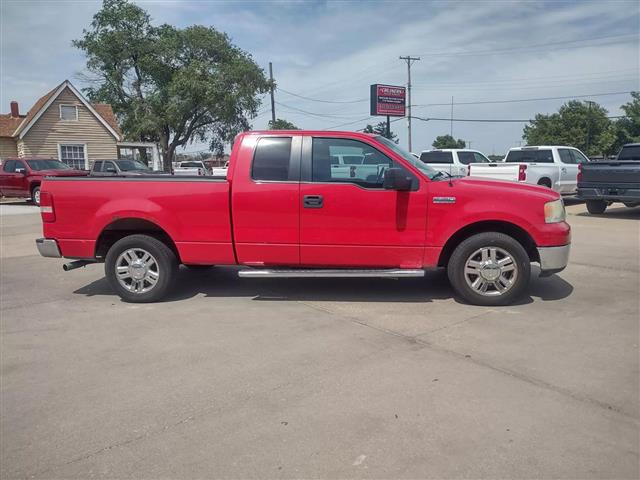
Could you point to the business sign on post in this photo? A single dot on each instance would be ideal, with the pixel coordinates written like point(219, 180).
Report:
point(389, 100)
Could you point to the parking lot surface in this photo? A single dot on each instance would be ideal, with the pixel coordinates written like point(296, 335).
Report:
point(321, 378)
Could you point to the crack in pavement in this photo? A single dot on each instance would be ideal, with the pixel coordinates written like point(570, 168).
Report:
point(505, 371)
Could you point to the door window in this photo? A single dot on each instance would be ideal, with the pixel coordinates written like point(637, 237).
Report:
point(20, 166)
point(9, 166)
point(271, 159)
point(73, 155)
point(466, 158)
point(109, 167)
point(578, 157)
point(326, 164)
point(565, 156)
point(480, 158)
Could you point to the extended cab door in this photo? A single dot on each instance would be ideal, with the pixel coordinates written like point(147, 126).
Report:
point(352, 221)
point(570, 158)
point(265, 186)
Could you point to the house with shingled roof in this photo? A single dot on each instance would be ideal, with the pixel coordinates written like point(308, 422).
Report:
point(63, 125)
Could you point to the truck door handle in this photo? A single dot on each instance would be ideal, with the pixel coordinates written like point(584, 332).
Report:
point(313, 201)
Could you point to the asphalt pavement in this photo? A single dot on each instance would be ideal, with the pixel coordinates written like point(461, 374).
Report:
point(358, 378)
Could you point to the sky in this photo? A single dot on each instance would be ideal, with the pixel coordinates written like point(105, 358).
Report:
point(486, 55)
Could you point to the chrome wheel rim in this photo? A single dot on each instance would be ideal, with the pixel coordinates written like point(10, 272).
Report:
point(490, 271)
point(36, 197)
point(137, 270)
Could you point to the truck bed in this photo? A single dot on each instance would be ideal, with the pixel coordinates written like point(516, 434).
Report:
point(611, 172)
point(194, 212)
point(497, 170)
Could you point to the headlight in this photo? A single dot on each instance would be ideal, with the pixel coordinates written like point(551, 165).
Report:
point(554, 211)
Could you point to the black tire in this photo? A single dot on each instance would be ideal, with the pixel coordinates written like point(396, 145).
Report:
point(35, 195)
point(544, 182)
point(167, 267)
point(596, 206)
point(465, 250)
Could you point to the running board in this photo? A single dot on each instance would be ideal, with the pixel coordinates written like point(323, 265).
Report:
point(336, 273)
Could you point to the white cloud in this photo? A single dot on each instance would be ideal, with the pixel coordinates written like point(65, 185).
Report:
point(334, 50)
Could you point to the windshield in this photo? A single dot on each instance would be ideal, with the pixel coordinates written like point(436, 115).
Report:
point(38, 165)
point(632, 152)
point(131, 165)
point(423, 167)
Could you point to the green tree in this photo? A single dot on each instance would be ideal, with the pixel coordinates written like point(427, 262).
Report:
point(627, 129)
point(281, 124)
point(166, 84)
point(583, 125)
point(381, 129)
point(447, 141)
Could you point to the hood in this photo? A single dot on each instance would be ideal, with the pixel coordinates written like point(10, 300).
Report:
point(505, 186)
point(61, 173)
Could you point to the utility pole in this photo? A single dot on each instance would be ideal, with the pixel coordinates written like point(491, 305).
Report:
point(409, 59)
point(273, 103)
point(451, 132)
point(589, 127)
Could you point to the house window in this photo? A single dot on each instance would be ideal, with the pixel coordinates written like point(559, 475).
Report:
point(73, 155)
point(68, 112)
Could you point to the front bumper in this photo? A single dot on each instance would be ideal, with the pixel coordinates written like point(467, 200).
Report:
point(48, 248)
point(553, 259)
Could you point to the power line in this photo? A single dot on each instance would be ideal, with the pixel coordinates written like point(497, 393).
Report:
point(521, 99)
point(487, 120)
point(527, 48)
point(299, 110)
point(322, 101)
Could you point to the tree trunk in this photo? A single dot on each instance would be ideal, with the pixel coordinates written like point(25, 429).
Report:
point(167, 153)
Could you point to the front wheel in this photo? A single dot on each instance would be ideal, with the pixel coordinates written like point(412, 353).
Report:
point(596, 206)
point(140, 268)
point(489, 269)
point(35, 196)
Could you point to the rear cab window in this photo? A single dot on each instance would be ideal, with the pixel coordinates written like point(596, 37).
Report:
point(272, 159)
point(530, 156)
point(436, 157)
point(629, 152)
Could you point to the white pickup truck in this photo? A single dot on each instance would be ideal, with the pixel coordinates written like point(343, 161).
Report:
point(555, 167)
point(191, 168)
point(453, 161)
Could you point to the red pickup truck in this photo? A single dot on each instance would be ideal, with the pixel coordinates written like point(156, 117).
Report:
point(309, 204)
point(21, 177)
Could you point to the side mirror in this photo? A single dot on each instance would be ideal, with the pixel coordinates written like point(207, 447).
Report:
point(397, 179)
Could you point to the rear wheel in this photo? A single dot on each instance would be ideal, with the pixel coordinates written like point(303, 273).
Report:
point(489, 268)
point(544, 182)
point(596, 206)
point(35, 195)
point(140, 268)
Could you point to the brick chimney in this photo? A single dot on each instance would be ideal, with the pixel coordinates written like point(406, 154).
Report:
point(15, 111)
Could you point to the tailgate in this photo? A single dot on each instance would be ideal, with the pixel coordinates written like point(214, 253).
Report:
point(611, 172)
point(498, 170)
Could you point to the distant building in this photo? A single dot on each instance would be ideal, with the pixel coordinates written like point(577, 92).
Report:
point(63, 125)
